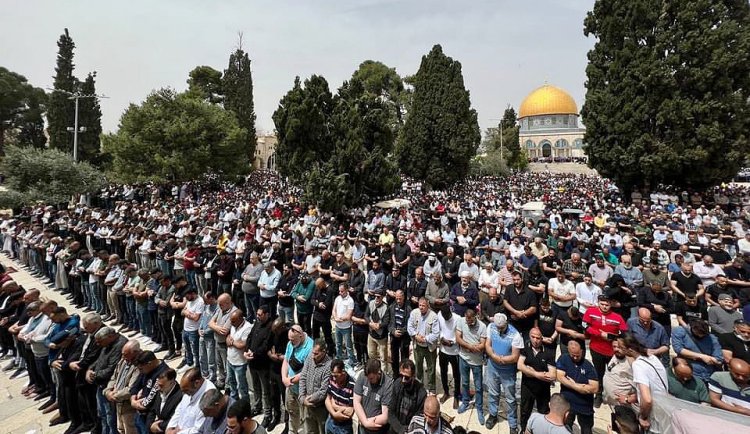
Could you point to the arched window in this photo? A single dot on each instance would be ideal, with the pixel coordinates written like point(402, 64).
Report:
point(578, 143)
point(562, 143)
point(530, 144)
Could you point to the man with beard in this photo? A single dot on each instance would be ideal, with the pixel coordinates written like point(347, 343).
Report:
point(340, 400)
point(578, 385)
point(258, 344)
point(322, 301)
point(659, 302)
point(220, 324)
point(700, 347)
point(400, 341)
point(313, 388)
point(145, 390)
point(736, 344)
point(438, 292)
point(90, 352)
point(728, 390)
point(416, 287)
point(617, 384)
point(279, 340)
point(372, 393)
point(394, 282)
point(537, 366)
point(407, 398)
point(450, 265)
point(604, 326)
point(118, 388)
point(464, 294)
point(99, 374)
point(298, 348)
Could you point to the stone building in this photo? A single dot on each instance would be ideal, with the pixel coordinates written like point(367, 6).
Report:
point(549, 127)
point(265, 152)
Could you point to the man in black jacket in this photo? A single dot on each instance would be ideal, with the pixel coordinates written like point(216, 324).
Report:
point(90, 351)
point(258, 343)
point(407, 398)
point(399, 313)
point(170, 394)
point(101, 371)
point(322, 301)
point(143, 393)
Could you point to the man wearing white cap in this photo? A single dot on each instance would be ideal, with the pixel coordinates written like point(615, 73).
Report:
point(503, 347)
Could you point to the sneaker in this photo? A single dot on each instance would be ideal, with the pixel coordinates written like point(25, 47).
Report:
point(480, 417)
point(462, 408)
point(513, 431)
point(182, 364)
point(170, 356)
point(183, 369)
point(491, 421)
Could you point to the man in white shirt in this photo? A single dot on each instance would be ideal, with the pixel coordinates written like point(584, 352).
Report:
point(488, 278)
point(343, 309)
point(448, 354)
point(707, 270)
point(587, 293)
point(561, 291)
point(192, 314)
point(236, 363)
point(188, 417)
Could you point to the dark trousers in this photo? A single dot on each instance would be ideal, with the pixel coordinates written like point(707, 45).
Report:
point(272, 303)
point(600, 364)
point(327, 333)
point(177, 323)
point(305, 320)
point(585, 421)
point(399, 351)
point(165, 331)
point(44, 379)
point(360, 346)
point(444, 360)
point(87, 404)
point(529, 397)
point(28, 356)
point(69, 393)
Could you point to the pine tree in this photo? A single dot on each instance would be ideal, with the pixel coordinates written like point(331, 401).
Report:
point(667, 91)
point(90, 118)
point(61, 110)
point(238, 95)
point(441, 133)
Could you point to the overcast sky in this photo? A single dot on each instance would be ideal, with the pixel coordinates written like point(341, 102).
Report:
point(507, 47)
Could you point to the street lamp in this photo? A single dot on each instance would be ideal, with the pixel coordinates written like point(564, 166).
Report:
point(74, 129)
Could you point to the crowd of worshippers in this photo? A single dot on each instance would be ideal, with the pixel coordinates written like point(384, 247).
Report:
point(309, 318)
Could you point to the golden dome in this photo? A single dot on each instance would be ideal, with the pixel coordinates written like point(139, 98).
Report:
point(548, 100)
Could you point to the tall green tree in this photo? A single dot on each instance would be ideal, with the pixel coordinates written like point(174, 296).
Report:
point(514, 156)
point(206, 83)
point(175, 137)
point(21, 110)
point(61, 110)
point(441, 132)
point(238, 96)
point(383, 82)
point(303, 127)
point(667, 91)
point(90, 118)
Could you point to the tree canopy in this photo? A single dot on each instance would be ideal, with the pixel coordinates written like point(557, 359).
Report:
point(21, 110)
point(205, 83)
point(173, 137)
point(47, 175)
point(441, 132)
point(667, 91)
point(336, 147)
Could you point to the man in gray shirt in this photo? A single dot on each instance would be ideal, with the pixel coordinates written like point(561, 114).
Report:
point(554, 421)
point(219, 323)
point(721, 318)
point(372, 393)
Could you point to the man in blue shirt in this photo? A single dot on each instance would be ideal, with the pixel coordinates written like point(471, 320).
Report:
point(578, 384)
point(503, 347)
point(651, 335)
point(700, 347)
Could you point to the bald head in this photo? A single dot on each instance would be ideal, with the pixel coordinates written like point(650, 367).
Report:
point(739, 367)
point(432, 411)
point(682, 369)
point(644, 314)
point(10, 286)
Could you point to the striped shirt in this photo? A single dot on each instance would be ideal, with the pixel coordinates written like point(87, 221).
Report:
point(418, 425)
point(342, 395)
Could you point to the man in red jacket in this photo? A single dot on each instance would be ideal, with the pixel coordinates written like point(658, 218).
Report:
point(604, 326)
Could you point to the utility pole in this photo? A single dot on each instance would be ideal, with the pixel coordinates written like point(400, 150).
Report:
point(74, 129)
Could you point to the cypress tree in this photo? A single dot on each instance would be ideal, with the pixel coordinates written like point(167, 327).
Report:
point(238, 95)
point(89, 117)
point(61, 110)
point(441, 132)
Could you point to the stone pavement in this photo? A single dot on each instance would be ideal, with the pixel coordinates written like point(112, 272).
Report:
point(19, 415)
point(576, 168)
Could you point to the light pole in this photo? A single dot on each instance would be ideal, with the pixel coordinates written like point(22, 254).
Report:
point(75, 130)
